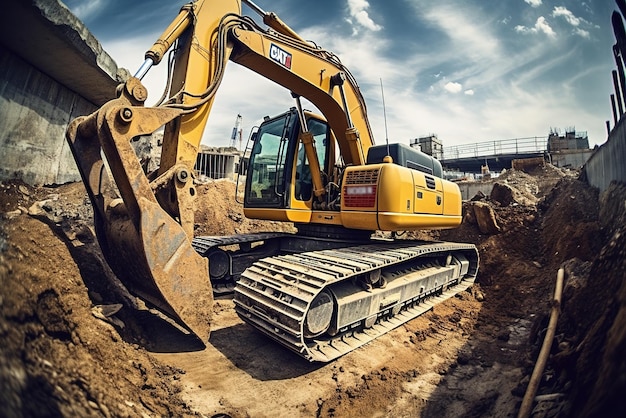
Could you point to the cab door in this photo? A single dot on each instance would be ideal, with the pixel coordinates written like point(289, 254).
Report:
point(269, 170)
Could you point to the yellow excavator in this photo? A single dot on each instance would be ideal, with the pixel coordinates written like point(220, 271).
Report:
point(321, 292)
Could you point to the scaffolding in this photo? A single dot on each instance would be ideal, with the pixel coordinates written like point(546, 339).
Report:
point(217, 163)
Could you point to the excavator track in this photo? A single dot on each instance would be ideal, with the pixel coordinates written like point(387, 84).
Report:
point(230, 255)
point(226, 266)
point(324, 304)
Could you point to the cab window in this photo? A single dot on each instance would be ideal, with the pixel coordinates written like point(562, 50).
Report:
point(304, 184)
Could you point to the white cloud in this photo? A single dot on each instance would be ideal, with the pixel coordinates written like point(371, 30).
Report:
point(452, 87)
point(353, 52)
point(577, 22)
point(355, 30)
point(533, 3)
point(582, 33)
point(566, 14)
point(468, 38)
point(358, 10)
point(86, 8)
point(469, 32)
point(541, 25)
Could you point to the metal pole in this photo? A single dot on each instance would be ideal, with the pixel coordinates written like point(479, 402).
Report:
point(255, 7)
point(542, 359)
point(614, 109)
point(618, 96)
point(620, 74)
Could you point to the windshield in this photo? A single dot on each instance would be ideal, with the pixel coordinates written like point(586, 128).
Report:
point(266, 183)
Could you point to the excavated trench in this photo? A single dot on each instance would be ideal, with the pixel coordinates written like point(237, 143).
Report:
point(75, 344)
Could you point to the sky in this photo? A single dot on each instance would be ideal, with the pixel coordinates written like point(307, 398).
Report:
point(465, 70)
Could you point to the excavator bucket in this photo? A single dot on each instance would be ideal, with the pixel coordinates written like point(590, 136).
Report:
point(144, 244)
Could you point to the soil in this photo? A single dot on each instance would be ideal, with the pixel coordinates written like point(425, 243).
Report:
point(75, 343)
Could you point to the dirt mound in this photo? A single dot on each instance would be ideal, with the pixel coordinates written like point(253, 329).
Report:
point(589, 362)
point(219, 213)
point(69, 351)
point(571, 225)
point(56, 358)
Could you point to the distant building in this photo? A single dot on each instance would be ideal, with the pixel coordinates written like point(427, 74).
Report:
point(569, 150)
point(211, 162)
point(572, 140)
point(217, 163)
point(430, 145)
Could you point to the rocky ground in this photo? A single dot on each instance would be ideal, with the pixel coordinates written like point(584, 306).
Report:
point(74, 343)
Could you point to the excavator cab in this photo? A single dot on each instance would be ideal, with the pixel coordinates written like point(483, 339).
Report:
point(279, 177)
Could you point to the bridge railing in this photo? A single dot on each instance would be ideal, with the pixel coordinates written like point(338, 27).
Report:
point(529, 145)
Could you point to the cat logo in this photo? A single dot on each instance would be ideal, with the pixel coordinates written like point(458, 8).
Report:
point(280, 56)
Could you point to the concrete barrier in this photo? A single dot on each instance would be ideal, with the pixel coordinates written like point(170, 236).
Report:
point(52, 69)
point(469, 189)
point(34, 113)
point(608, 163)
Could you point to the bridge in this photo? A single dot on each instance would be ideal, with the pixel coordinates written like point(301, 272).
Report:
point(52, 70)
point(496, 154)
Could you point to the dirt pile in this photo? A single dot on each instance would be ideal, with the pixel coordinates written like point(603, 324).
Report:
point(588, 362)
point(57, 359)
point(219, 212)
point(68, 351)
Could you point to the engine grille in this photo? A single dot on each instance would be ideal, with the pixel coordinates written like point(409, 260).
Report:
point(362, 177)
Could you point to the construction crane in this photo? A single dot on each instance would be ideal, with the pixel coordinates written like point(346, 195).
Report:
point(236, 133)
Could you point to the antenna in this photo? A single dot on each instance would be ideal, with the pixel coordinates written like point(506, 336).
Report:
point(236, 132)
point(384, 115)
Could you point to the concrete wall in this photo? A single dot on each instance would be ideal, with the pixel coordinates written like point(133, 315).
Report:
point(608, 163)
point(51, 70)
point(571, 158)
point(470, 188)
point(34, 113)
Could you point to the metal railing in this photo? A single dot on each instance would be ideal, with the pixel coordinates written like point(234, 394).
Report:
point(530, 145)
point(216, 165)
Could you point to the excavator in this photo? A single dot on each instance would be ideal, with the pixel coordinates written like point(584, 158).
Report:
point(332, 286)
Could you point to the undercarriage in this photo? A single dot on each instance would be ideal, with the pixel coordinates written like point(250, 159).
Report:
point(322, 298)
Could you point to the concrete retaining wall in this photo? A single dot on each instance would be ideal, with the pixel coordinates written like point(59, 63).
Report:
point(571, 159)
point(35, 111)
point(52, 69)
point(608, 163)
point(470, 188)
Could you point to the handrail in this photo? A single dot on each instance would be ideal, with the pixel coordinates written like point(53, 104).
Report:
point(536, 144)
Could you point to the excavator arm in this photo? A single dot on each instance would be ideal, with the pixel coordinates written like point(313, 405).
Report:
point(218, 34)
point(144, 221)
point(315, 74)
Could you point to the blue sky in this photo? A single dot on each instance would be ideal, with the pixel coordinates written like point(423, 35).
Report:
point(466, 70)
